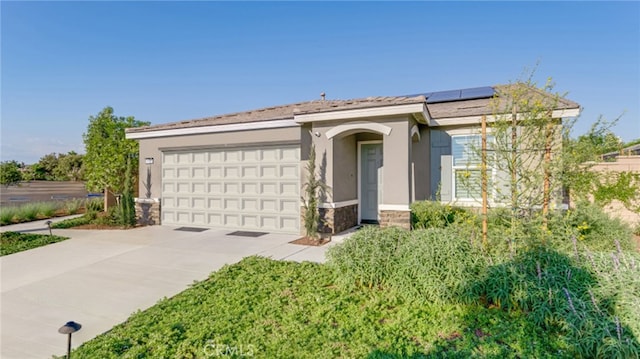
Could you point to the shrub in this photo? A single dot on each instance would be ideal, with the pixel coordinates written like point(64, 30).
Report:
point(436, 265)
point(47, 209)
point(28, 212)
point(572, 296)
point(432, 214)
point(73, 206)
point(7, 215)
point(95, 204)
point(367, 258)
point(591, 226)
point(87, 218)
point(432, 265)
point(13, 242)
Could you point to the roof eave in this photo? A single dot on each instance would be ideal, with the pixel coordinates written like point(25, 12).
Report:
point(418, 110)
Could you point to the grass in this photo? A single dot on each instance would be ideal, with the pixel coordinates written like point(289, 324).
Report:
point(14, 242)
point(277, 309)
point(42, 210)
point(562, 291)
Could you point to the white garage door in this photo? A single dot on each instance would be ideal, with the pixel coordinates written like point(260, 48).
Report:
point(246, 188)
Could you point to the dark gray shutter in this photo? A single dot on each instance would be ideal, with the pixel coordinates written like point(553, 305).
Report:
point(446, 163)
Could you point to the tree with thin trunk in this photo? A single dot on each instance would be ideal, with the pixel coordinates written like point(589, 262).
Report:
point(107, 152)
point(314, 189)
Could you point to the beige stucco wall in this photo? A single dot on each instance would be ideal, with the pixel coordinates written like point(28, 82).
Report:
point(622, 164)
point(153, 147)
point(341, 153)
point(420, 158)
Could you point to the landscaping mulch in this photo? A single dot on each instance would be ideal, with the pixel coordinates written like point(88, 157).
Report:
point(309, 241)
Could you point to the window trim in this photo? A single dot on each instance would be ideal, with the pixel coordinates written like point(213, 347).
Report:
point(454, 168)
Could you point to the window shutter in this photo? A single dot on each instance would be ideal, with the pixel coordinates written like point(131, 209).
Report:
point(445, 178)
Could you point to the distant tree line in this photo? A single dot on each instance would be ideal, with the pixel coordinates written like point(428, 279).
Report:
point(52, 167)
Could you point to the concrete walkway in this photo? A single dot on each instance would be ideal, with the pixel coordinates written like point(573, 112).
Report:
point(99, 278)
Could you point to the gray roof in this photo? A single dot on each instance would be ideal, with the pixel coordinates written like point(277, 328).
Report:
point(489, 106)
point(459, 108)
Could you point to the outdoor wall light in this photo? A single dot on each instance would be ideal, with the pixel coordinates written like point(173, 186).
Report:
point(69, 328)
point(48, 223)
point(148, 160)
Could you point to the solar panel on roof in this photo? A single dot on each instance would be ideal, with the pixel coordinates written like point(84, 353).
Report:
point(477, 92)
point(444, 96)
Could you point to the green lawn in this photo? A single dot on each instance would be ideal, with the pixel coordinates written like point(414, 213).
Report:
point(271, 309)
point(14, 242)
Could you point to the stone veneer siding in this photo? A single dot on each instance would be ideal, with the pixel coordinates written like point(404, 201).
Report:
point(400, 219)
point(147, 211)
point(334, 220)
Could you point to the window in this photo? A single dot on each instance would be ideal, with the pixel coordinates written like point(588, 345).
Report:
point(467, 182)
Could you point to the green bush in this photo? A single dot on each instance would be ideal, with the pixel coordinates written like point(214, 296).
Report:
point(433, 214)
point(592, 227)
point(431, 265)
point(28, 212)
point(592, 298)
point(367, 258)
point(95, 204)
point(87, 218)
point(13, 242)
point(436, 265)
point(73, 206)
point(7, 215)
point(48, 209)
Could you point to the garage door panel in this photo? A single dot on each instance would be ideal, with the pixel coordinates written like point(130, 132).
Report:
point(250, 172)
point(200, 157)
point(250, 205)
point(183, 173)
point(250, 189)
point(198, 187)
point(268, 189)
point(289, 206)
point(289, 189)
point(198, 218)
point(198, 203)
point(231, 172)
point(215, 188)
point(168, 173)
point(251, 155)
point(182, 187)
point(244, 188)
point(269, 171)
point(290, 154)
point(268, 205)
point(289, 171)
point(198, 172)
point(269, 155)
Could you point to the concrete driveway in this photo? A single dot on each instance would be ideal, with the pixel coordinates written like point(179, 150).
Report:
point(99, 278)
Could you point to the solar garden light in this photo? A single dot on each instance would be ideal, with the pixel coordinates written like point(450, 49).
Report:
point(48, 223)
point(69, 328)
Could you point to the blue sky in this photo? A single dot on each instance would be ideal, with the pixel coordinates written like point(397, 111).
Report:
point(168, 61)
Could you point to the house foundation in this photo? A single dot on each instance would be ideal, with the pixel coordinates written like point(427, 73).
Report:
point(148, 211)
point(400, 219)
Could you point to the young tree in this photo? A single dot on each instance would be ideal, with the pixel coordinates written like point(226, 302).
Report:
point(107, 151)
point(527, 146)
point(313, 189)
point(10, 173)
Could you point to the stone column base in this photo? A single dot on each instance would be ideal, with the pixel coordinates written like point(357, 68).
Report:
point(334, 220)
point(400, 219)
point(148, 211)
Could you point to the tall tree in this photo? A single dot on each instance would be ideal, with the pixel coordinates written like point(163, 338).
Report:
point(107, 151)
point(69, 167)
point(10, 173)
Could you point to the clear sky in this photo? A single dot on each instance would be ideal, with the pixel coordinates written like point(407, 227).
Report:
point(168, 61)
